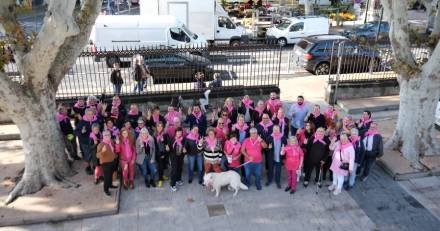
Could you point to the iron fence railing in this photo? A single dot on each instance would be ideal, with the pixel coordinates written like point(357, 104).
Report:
point(172, 70)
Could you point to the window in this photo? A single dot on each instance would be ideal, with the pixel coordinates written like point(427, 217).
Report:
point(283, 25)
point(297, 27)
point(178, 34)
point(225, 22)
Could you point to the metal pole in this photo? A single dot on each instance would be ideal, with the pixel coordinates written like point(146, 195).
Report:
point(341, 45)
point(366, 11)
point(380, 22)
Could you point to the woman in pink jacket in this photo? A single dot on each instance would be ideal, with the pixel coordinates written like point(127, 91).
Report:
point(232, 151)
point(293, 163)
point(343, 155)
point(125, 146)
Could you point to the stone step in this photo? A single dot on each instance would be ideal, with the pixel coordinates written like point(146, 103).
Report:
point(373, 104)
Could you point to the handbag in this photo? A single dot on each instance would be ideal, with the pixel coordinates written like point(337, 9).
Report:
point(343, 166)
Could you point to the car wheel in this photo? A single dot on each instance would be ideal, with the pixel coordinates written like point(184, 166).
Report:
point(322, 69)
point(282, 42)
point(112, 60)
point(235, 43)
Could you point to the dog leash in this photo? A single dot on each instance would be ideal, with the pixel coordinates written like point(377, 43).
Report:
point(241, 165)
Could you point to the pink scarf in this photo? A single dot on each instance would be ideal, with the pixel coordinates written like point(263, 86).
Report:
point(145, 140)
point(274, 104)
point(316, 113)
point(115, 131)
point(197, 116)
point(353, 141)
point(159, 136)
point(211, 143)
point(109, 143)
point(194, 137)
point(79, 105)
point(371, 133)
point(220, 133)
point(93, 136)
point(260, 111)
point(281, 121)
point(241, 128)
point(230, 108)
point(116, 103)
point(178, 141)
point(155, 118)
point(318, 137)
point(266, 126)
point(61, 117)
point(247, 103)
point(93, 119)
point(138, 129)
point(131, 112)
point(277, 136)
point(169, 117)
point(365, 121)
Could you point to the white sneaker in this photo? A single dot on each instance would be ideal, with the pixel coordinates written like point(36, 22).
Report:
point(336, 192)
point(331, 187)
point(179, 183)
point(173, 188)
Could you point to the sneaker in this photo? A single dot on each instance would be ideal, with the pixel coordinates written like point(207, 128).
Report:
point(89, 170)
point(287, 189)
point(147, 183)
point(331, 187)
point(267, 183)
point(179, 183)
point(173, 188)
point(259, 188)
point(306, 183)
point(153, 183)
point(364, 178)
point(108, 194)
point(319, 184)
point(278, 185)
point(200, 182)
point(190, 181)
point(292, 191)
point(131, 184)
point(160, 184)
point(113, 186)
point(336, 192)
point(165, 178)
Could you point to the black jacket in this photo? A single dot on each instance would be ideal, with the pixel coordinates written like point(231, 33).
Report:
point(201, 123)
point(317, 151)
point(318, 121)
point(377, 148)
point(115, 77)
point(270, 142)
point(264, 134)
point(191, 147)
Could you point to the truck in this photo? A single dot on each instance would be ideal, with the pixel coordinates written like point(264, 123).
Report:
point(204, 17)
point(113, 32)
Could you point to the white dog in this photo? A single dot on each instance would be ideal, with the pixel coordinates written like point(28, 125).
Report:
point(218, 180)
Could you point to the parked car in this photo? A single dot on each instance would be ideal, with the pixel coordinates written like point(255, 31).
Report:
point(319, 55)
point(368, 31)
point(177, 67)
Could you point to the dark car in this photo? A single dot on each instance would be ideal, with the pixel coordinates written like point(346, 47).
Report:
point(319, 55)
point(368, 32)
point(177, 67)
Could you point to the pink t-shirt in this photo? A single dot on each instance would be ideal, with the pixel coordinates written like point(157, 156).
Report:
point(232, 153)
point(253, 149)
point(293, 157)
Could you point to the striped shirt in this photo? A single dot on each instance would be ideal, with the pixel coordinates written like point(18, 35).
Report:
point(211, 155)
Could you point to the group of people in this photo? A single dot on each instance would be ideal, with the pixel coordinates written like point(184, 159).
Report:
point(245, 137)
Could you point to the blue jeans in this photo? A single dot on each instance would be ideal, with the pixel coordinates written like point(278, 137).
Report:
point(224, 163)
point(147, 168)
point(139, 87)
point(192, 161)
point(253, 169)
point(293, 130)
point(352, 176)
point(277, 167)
point(117, 88)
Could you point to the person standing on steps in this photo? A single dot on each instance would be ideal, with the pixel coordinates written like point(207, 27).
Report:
point(342, 164)
point(317, 150)
point(372, 149)
point(297, 113)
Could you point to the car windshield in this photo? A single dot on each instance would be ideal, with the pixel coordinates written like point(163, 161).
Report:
point(188, 32)
point(283, 25)
point(368, 26)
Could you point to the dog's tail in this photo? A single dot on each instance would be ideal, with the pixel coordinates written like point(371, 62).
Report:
point(243, 186)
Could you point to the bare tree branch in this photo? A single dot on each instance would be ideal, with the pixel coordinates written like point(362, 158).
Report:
point(432, 65)
point(58, 25)
point(69, 51)
point(399, 36)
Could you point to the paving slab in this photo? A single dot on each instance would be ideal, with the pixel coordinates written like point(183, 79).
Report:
point(49, 204)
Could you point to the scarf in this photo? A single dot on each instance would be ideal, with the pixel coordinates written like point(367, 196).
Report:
point(260, 111)
point(197, 116)
point(169, 117)
point(319, 138)
point(159, 136)
point(145, 140)
point(329, 113)
point(371, 133)
point(116, 103)
point(79, 105)
point(241, 128)
point(229, 145)
point(247, 103)
point(155, 118)
point(266, 126)
point(316, 113)
point(365, 121)
point(93, 119)
point(273, 104)
point(332, 134)
point(211, 143)
point(131, 112)
point(109, 143)
point(61, 117)
point(94, 136)
point(138, 129)
point(277, 136)
point(230, 108)
point(194, 137)
point(281, 121)
point(178, 141)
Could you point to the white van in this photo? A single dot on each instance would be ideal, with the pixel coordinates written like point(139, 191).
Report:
point(116, 32)
point(293, 29)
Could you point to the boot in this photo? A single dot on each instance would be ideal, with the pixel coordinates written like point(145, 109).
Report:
point(153, 184)
point(147, 183)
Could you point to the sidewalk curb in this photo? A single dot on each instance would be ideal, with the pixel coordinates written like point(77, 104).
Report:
point(9, 137)
point(406, 176)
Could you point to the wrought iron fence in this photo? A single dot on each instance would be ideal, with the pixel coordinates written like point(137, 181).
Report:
point(172, 70)
point(366, 63)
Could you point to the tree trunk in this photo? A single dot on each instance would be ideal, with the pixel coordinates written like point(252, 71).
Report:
point(415, 130)
point(308, 7)
point(43, 146)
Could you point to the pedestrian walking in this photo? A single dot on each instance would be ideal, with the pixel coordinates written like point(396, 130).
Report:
point(116, 79)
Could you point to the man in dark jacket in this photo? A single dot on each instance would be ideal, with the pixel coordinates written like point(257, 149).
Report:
point(116, 79)
point(196, 117)
point(372, 146)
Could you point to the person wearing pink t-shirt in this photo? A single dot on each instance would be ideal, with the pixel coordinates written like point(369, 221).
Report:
point(252, 151)
point(126, 148)
point(232, 152)
point(293, 163)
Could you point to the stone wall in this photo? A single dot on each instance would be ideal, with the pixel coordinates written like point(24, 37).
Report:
point(361, 90)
